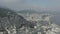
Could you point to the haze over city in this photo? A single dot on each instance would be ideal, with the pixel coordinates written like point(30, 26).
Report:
point(41, 5)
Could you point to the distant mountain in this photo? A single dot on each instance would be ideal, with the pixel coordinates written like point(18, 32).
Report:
point(28, 11)
point(52, 12)
point(39, 12)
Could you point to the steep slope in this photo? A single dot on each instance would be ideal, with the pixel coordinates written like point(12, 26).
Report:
point(10, 19)
point(43, 25)
point(33, 24)
point(5, 12)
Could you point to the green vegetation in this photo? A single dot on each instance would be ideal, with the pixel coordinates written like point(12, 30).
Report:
point(6, 12)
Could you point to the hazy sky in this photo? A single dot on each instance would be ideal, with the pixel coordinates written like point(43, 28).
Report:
point(42, 5)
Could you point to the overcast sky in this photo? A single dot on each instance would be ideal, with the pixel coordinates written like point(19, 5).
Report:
point(42, 5)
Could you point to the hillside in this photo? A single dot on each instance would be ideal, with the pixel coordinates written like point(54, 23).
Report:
point(34, 23)
point(6, 12)
point(9, 18)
